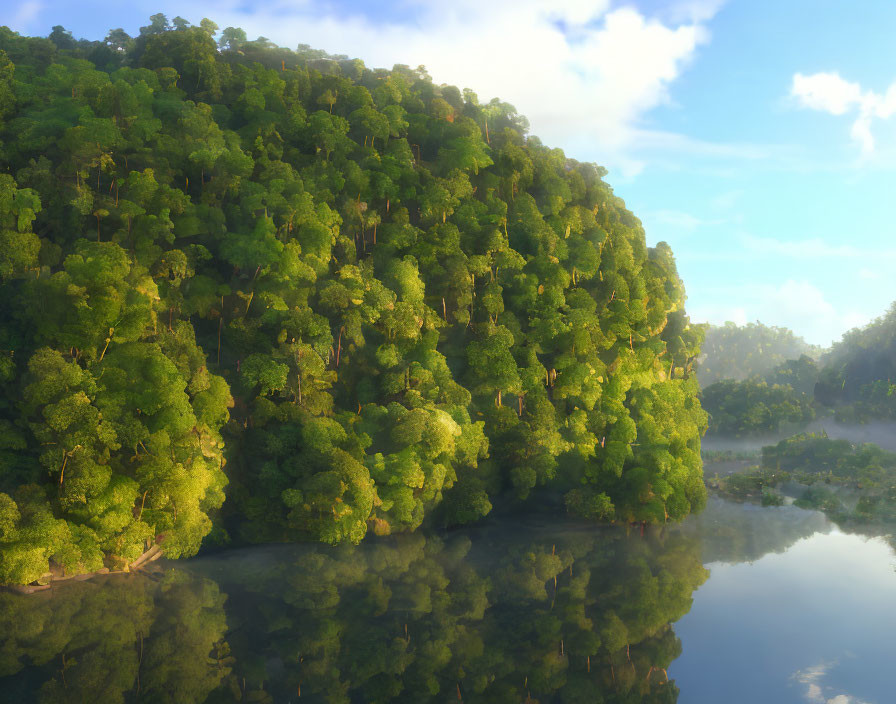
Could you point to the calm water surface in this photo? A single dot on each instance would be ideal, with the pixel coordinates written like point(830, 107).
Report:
point(740, 604)
point(814, 623)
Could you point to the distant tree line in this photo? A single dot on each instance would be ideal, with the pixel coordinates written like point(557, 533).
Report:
point(741, 352)
point(760, 393)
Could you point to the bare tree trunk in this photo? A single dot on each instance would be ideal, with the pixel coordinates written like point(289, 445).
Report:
point(142, 504)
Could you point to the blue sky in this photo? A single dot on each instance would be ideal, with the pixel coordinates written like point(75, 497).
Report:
point(756, 137)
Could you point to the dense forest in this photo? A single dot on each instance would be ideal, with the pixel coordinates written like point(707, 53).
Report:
point(258, 294)
point(740, 352)
point(757, 379)
point(755, 407)
point(851, 381)
point(857, 380)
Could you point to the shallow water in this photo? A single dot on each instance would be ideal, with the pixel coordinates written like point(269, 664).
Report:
point(790, 610)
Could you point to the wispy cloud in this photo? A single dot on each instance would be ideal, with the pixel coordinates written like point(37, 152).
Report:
point(678, 220)
point(743, 246)
point(816, 691)
point(24, 15)
point(812, 248)
point(675, 142)
point(692, 10)
point(829, 92)
point(869, 275)
point(674, 151)
point(726, 200)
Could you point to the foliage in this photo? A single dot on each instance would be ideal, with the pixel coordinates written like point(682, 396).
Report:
point(378, 300)
point(839, 460)
point(858, 372)
point(852, 484)
point(799, 374)
point(753, 407)
point(747, 455)
point(740, 352)
point(750, 484)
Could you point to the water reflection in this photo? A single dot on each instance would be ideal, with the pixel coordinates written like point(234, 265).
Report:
point(113, 640)
point(540, 614)
point(814, 624)
point(732, 533)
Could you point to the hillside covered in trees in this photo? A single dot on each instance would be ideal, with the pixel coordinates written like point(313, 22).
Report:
point(737, 352)
point(345, 300)
point(851, 381)
point(859, 372)
point(756, 379)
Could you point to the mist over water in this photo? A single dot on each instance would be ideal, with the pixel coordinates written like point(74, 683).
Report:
point(878, 432)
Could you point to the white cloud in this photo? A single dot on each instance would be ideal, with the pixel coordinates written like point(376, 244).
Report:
point(813, 677)
point(795, 304)
point(813, 694)
point(829, 92)
point(581, 71)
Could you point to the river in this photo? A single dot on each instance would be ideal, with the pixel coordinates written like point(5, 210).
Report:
point(738, 604)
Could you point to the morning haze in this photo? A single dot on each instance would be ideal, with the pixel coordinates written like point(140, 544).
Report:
point(326, 381)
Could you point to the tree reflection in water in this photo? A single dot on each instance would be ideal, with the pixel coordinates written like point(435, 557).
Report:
point(571, 614)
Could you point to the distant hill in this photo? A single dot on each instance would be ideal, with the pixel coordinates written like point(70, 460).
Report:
point(739, 352)
point(858, 378)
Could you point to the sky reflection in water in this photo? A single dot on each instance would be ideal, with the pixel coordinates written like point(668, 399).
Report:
point(814, 624)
